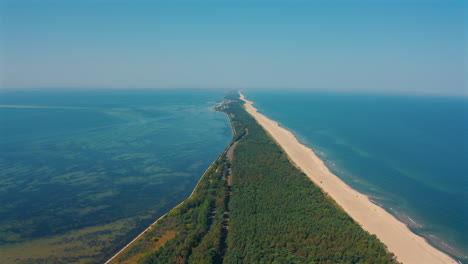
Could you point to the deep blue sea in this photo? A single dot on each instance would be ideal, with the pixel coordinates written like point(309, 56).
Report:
point(409, 153)
point(82, 172)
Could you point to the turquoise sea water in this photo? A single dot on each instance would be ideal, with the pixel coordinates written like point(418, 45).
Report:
point(410, 154)
point(91, 169)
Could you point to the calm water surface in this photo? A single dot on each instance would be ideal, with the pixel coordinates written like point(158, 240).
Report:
point(408, 153)
point(82, 172)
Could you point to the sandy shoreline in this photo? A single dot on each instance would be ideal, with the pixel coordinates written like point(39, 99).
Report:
point(407, 246)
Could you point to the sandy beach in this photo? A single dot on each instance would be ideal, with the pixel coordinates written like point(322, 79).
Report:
point(407, 246)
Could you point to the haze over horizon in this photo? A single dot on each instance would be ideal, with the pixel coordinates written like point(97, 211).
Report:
point(365, 46)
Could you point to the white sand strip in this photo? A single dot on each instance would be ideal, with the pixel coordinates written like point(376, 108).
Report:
point(407, 246)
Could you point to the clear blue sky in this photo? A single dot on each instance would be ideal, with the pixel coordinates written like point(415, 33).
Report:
point(410, 46)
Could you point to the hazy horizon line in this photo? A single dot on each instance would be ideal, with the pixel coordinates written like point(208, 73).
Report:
point(273, 89)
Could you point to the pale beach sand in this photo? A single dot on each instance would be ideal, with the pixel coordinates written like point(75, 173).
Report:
point(407, 246)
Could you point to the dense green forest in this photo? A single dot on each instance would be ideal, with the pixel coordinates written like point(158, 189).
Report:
point(255, 207)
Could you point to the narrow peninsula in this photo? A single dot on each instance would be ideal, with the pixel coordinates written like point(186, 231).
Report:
point(253, 205)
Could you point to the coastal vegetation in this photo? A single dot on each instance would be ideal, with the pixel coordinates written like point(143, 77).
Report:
point(194, 231)
point(256, 208)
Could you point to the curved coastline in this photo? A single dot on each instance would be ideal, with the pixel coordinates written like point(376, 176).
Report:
point(406, 245)
point(381, 197)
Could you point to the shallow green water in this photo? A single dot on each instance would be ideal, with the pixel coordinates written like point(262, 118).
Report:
point(79, 159)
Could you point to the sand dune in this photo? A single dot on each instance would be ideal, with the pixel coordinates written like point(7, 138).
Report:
point(407, 246)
